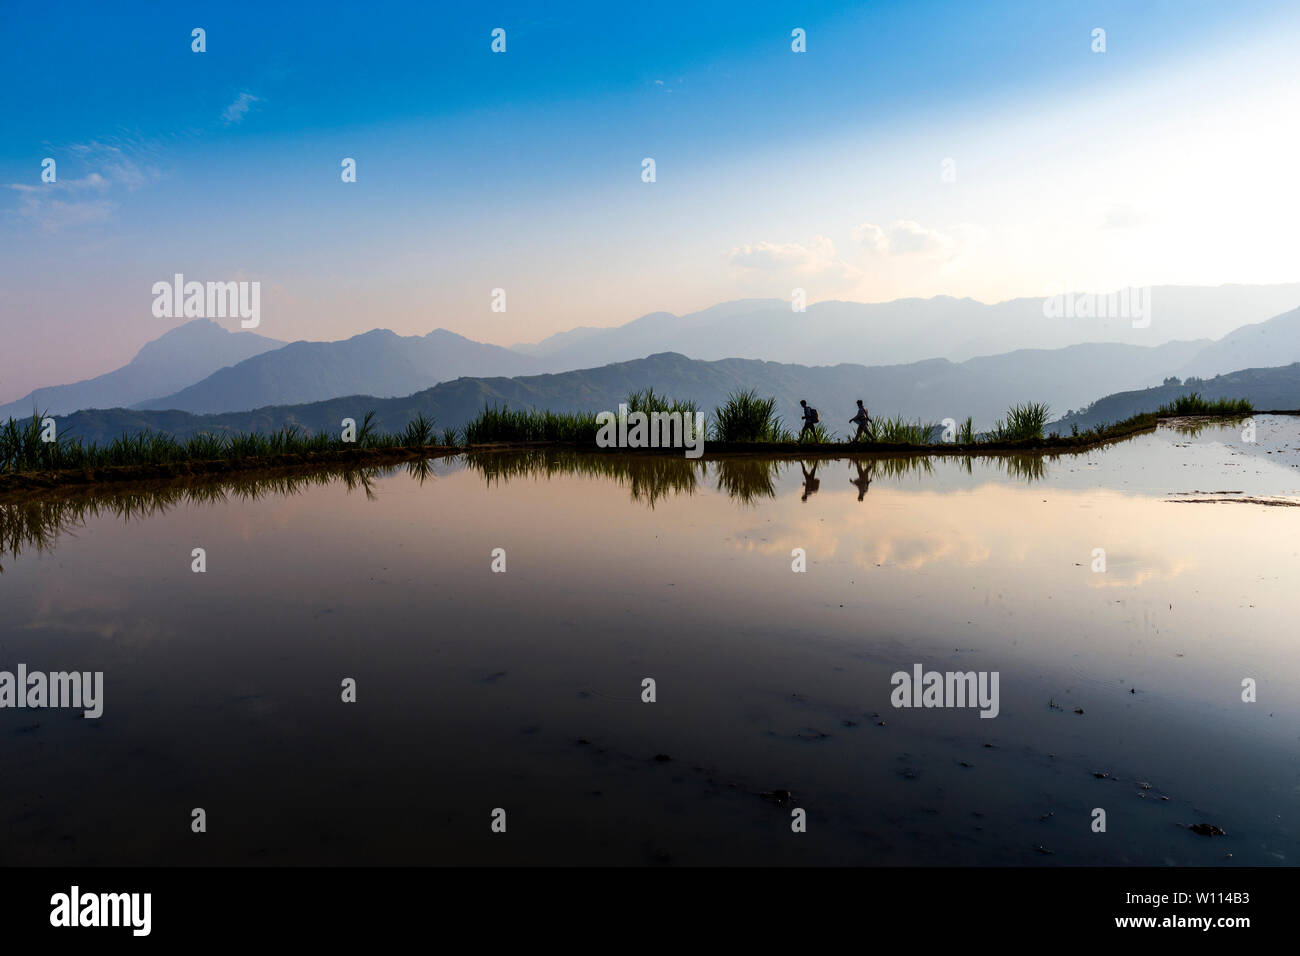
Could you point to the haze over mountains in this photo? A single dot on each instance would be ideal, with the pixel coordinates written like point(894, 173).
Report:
point(201, 369)
point(1258, 345)
point(171, 361)
point(927, 390)
point(1268, 389)
point(908, 330)
point(380, 363)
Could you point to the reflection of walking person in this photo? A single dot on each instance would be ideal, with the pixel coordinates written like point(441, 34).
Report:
point(863, 421)
point(810, 481)
point(863, 481)
point(810, 419)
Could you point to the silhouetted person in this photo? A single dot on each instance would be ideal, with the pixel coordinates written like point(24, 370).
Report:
point(863, 481)
point(810, 481)
point(863, 421)
point(810, 419)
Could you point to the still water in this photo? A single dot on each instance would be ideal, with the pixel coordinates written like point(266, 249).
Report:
point(1119, 689)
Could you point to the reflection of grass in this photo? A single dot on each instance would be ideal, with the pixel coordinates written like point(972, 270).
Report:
point(1194, 404)
point(650, 478)
point(903, 466)
point(1192, 428)
point(1029, 467)
point(748, 480)
point(36, 522)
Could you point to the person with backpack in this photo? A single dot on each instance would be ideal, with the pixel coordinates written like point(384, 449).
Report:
point(810, 419)
point(863, 421)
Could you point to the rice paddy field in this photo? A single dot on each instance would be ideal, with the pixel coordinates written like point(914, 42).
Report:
point(500, 613)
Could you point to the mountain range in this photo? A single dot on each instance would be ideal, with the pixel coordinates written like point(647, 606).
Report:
point(908, 330)
point(202, 370)
point(379, 362)
point(175, 359)
point(1268, 389)
point(929, 390)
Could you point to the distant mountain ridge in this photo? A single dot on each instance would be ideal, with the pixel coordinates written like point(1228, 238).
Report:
point(909, 330)
point(194, 368)
point(173, 360)
point(930, 390)
point(1266, 388)
point(1258, 345)
point(379, 362)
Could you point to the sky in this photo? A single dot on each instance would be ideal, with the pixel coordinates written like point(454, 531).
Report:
point(913, 149)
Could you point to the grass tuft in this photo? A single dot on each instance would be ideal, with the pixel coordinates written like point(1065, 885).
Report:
point(745, 417)
point(1195, 404)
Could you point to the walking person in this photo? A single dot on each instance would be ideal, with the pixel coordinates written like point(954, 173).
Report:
point(810, 420)
point(863, 421)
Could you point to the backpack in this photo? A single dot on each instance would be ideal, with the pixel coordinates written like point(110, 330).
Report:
point(813, 416)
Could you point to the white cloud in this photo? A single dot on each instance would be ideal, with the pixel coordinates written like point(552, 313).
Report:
point(52, 206)
point(1122, 216)
point(903, 237)
point(119, 168)
point(817, 257)
point(237, 110)
point(54, 215)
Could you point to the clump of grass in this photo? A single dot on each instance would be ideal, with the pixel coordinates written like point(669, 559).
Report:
point(819, 434)
point(648, 401)
point(898, 431)
point(745, 417)
point(366, 434)
point(23, 450)
point(1023, 422)
point(966, 433)
point(1195, 404)
point(500, 424)
point(418, 433)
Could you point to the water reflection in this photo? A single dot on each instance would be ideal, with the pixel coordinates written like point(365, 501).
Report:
point(1193, 427)
point(484, 689)
point(35, 522)
point(748, 481)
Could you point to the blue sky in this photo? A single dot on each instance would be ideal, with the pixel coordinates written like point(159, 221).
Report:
point(521, 170)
